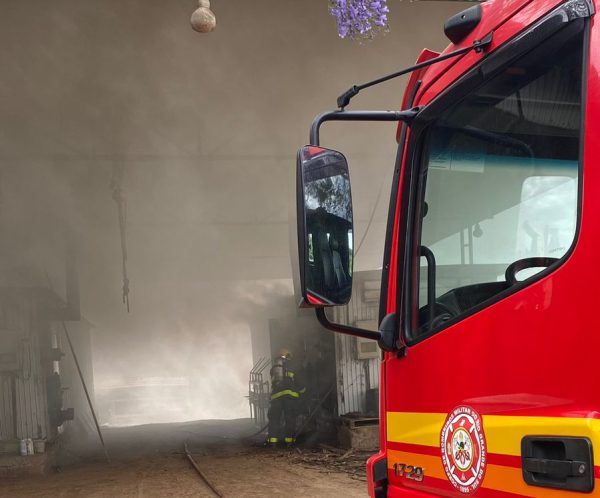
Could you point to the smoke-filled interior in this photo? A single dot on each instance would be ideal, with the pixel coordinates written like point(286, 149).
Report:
point(131, 146)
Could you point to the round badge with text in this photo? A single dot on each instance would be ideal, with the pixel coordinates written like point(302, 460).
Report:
point(462, 442)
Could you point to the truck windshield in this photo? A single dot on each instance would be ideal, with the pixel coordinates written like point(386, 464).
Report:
point(500, 181)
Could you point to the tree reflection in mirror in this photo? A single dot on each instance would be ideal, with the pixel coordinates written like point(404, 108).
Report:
point(328, 234)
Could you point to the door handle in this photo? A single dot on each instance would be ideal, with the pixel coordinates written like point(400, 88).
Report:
point(556, 468)
point(558, 462)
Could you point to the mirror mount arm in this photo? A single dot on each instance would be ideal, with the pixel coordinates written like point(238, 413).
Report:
point(405, 116)
point(478, 46)
point(345, 329)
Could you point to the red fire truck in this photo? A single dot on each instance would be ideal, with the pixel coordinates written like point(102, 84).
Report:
point(488, 372)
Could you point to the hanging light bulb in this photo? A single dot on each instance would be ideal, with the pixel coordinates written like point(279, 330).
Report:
point(203, 20)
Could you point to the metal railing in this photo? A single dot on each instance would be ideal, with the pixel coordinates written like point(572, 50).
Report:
point(259, 392)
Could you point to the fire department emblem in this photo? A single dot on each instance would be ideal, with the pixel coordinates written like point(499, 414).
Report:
point(462, 442)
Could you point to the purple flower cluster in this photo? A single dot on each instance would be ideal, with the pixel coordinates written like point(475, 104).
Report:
point(359, 19)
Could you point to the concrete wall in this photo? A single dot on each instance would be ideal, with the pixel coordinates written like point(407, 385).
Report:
point(74, 396)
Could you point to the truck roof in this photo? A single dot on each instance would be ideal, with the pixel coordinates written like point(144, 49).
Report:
point(505, 18)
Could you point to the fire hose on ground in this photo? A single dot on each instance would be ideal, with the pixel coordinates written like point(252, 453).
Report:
point(212, 487)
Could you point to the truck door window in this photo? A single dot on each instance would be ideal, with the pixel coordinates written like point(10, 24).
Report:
point(499, 185)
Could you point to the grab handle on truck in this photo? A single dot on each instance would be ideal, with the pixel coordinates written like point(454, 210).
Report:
point(428, 255)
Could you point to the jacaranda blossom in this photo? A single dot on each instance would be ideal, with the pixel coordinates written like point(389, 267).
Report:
point(359, 19)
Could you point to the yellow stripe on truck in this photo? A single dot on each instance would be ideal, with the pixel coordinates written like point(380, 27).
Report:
point(503, 433)
point(415, 428)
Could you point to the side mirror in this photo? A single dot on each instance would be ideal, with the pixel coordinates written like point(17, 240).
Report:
point(325, 227)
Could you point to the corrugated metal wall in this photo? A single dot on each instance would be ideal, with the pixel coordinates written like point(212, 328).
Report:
point(23, 401)
point(32, 408)
point(356, 376)
point(7, 427)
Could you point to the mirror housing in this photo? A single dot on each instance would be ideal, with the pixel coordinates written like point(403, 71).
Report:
point(325, 227)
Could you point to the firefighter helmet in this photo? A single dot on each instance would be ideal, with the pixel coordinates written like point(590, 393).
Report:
point(284, 353)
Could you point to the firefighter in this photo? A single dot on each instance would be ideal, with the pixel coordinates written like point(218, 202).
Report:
point(285, 396)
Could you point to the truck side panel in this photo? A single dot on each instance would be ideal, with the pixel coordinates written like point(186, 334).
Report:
point(526, 364)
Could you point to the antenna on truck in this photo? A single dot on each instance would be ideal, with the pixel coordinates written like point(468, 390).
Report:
point(478, 45)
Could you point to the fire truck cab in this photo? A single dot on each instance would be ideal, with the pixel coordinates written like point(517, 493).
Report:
point(488, 333)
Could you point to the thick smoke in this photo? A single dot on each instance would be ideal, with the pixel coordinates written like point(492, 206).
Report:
point(204, 128)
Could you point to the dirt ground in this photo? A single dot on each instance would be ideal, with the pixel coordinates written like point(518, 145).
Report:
point(149, 462)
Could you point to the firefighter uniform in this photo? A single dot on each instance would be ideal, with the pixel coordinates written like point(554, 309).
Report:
point(285, 396)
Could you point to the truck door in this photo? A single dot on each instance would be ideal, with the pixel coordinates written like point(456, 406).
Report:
point(496, 394)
